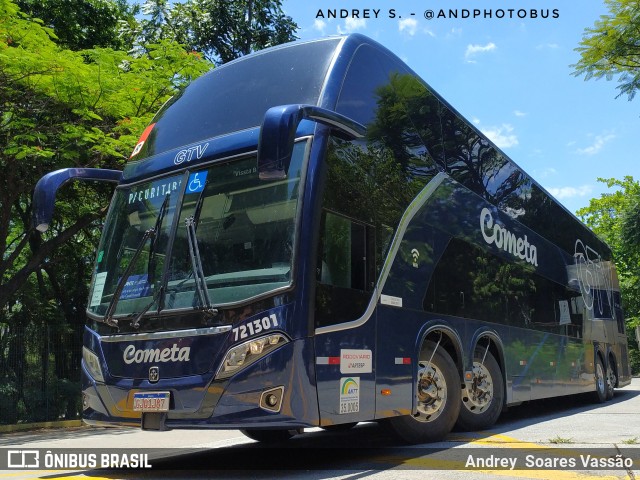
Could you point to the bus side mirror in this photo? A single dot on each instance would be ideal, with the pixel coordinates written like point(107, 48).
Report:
point(278, 132)
point(44, 194)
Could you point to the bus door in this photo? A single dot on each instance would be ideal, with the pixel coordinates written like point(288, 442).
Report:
point(345, 341)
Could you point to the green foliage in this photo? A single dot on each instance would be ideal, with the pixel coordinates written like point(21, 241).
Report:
point(558, 439)
point(62, 108)
point(79, 81)
point(221, 29)
point(614, 217)
point(83, 24)
point(610, 48)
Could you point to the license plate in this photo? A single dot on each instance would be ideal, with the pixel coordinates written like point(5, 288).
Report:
point(151, 402)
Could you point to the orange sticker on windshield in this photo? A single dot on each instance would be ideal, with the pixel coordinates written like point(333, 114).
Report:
point(143, 138)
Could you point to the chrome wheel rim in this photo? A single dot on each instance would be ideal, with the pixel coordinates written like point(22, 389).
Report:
point(431, 393)
point(479, 397)
point(600, 378)
point(611, 378)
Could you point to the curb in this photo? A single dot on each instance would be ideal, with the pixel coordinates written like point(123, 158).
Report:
point(34, 426)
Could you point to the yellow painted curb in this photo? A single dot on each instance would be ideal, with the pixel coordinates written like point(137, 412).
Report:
point(34, 426)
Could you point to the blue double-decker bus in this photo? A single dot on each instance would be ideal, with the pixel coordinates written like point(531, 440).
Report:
point(311, 236)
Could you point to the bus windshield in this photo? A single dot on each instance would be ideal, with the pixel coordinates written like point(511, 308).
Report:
point(245, 232)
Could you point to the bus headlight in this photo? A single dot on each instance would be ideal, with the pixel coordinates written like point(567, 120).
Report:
point(247, 353)
point(92, 363)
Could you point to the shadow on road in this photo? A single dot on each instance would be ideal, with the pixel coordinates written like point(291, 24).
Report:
point(546, 409)
point(19, 438)
point(356, 453)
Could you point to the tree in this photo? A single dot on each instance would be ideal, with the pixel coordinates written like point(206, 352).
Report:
point(611, 49)
point(614, 217)
point(221, 29)
point(70, 96)
point(84, 24)
point(60, 108)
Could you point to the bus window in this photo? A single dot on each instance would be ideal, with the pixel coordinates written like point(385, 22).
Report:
point(344, 253)
point(345, 269)
point(358, 95)
point(556, 309)
point(472, 283)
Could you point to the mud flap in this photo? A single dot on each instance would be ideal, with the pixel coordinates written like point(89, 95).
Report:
point(154, 421)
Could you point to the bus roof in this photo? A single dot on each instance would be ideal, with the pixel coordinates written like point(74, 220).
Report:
point(234, 97)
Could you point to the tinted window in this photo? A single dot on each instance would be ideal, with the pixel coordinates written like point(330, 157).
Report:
point(359, 95)
point(471, 159)
point(471, 283)
point(236, 96)
point(345, 273)
point(344, 253)
point(399, 111)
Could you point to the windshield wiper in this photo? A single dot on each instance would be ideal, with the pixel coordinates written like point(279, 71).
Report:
point(135, 323)
point(196, 216)
point(151, 265)
point(191, 224)
point(108, 317)
point(196, 264)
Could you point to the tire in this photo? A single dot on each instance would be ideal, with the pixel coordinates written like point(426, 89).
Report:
point(612, 379)
point(438, 399)
point(269, 436)
point(481, 406)
point(600, 395)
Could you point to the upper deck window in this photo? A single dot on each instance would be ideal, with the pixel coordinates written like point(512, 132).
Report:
point(236, 96)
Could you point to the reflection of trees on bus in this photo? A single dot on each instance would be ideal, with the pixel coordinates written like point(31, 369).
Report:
point(412, 136)
point(425, 136)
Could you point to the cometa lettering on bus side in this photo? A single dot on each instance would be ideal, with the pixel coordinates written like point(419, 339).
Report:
point(496, 234)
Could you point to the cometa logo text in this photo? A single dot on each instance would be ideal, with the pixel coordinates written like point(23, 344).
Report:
point(155, 355)
point(496, 234)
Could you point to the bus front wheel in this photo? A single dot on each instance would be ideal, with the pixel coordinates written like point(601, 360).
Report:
point(437, 402)
point(482, 400)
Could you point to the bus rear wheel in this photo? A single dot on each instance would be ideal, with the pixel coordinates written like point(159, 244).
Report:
point(269, 436)
point(437, 402)
point(611, 379)
point(600, 395)
point(482, 401)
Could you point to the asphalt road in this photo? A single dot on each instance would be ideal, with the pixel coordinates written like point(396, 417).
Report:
point(541, 440)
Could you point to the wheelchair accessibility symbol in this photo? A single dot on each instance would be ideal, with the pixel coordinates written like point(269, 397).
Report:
point(196, 182)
